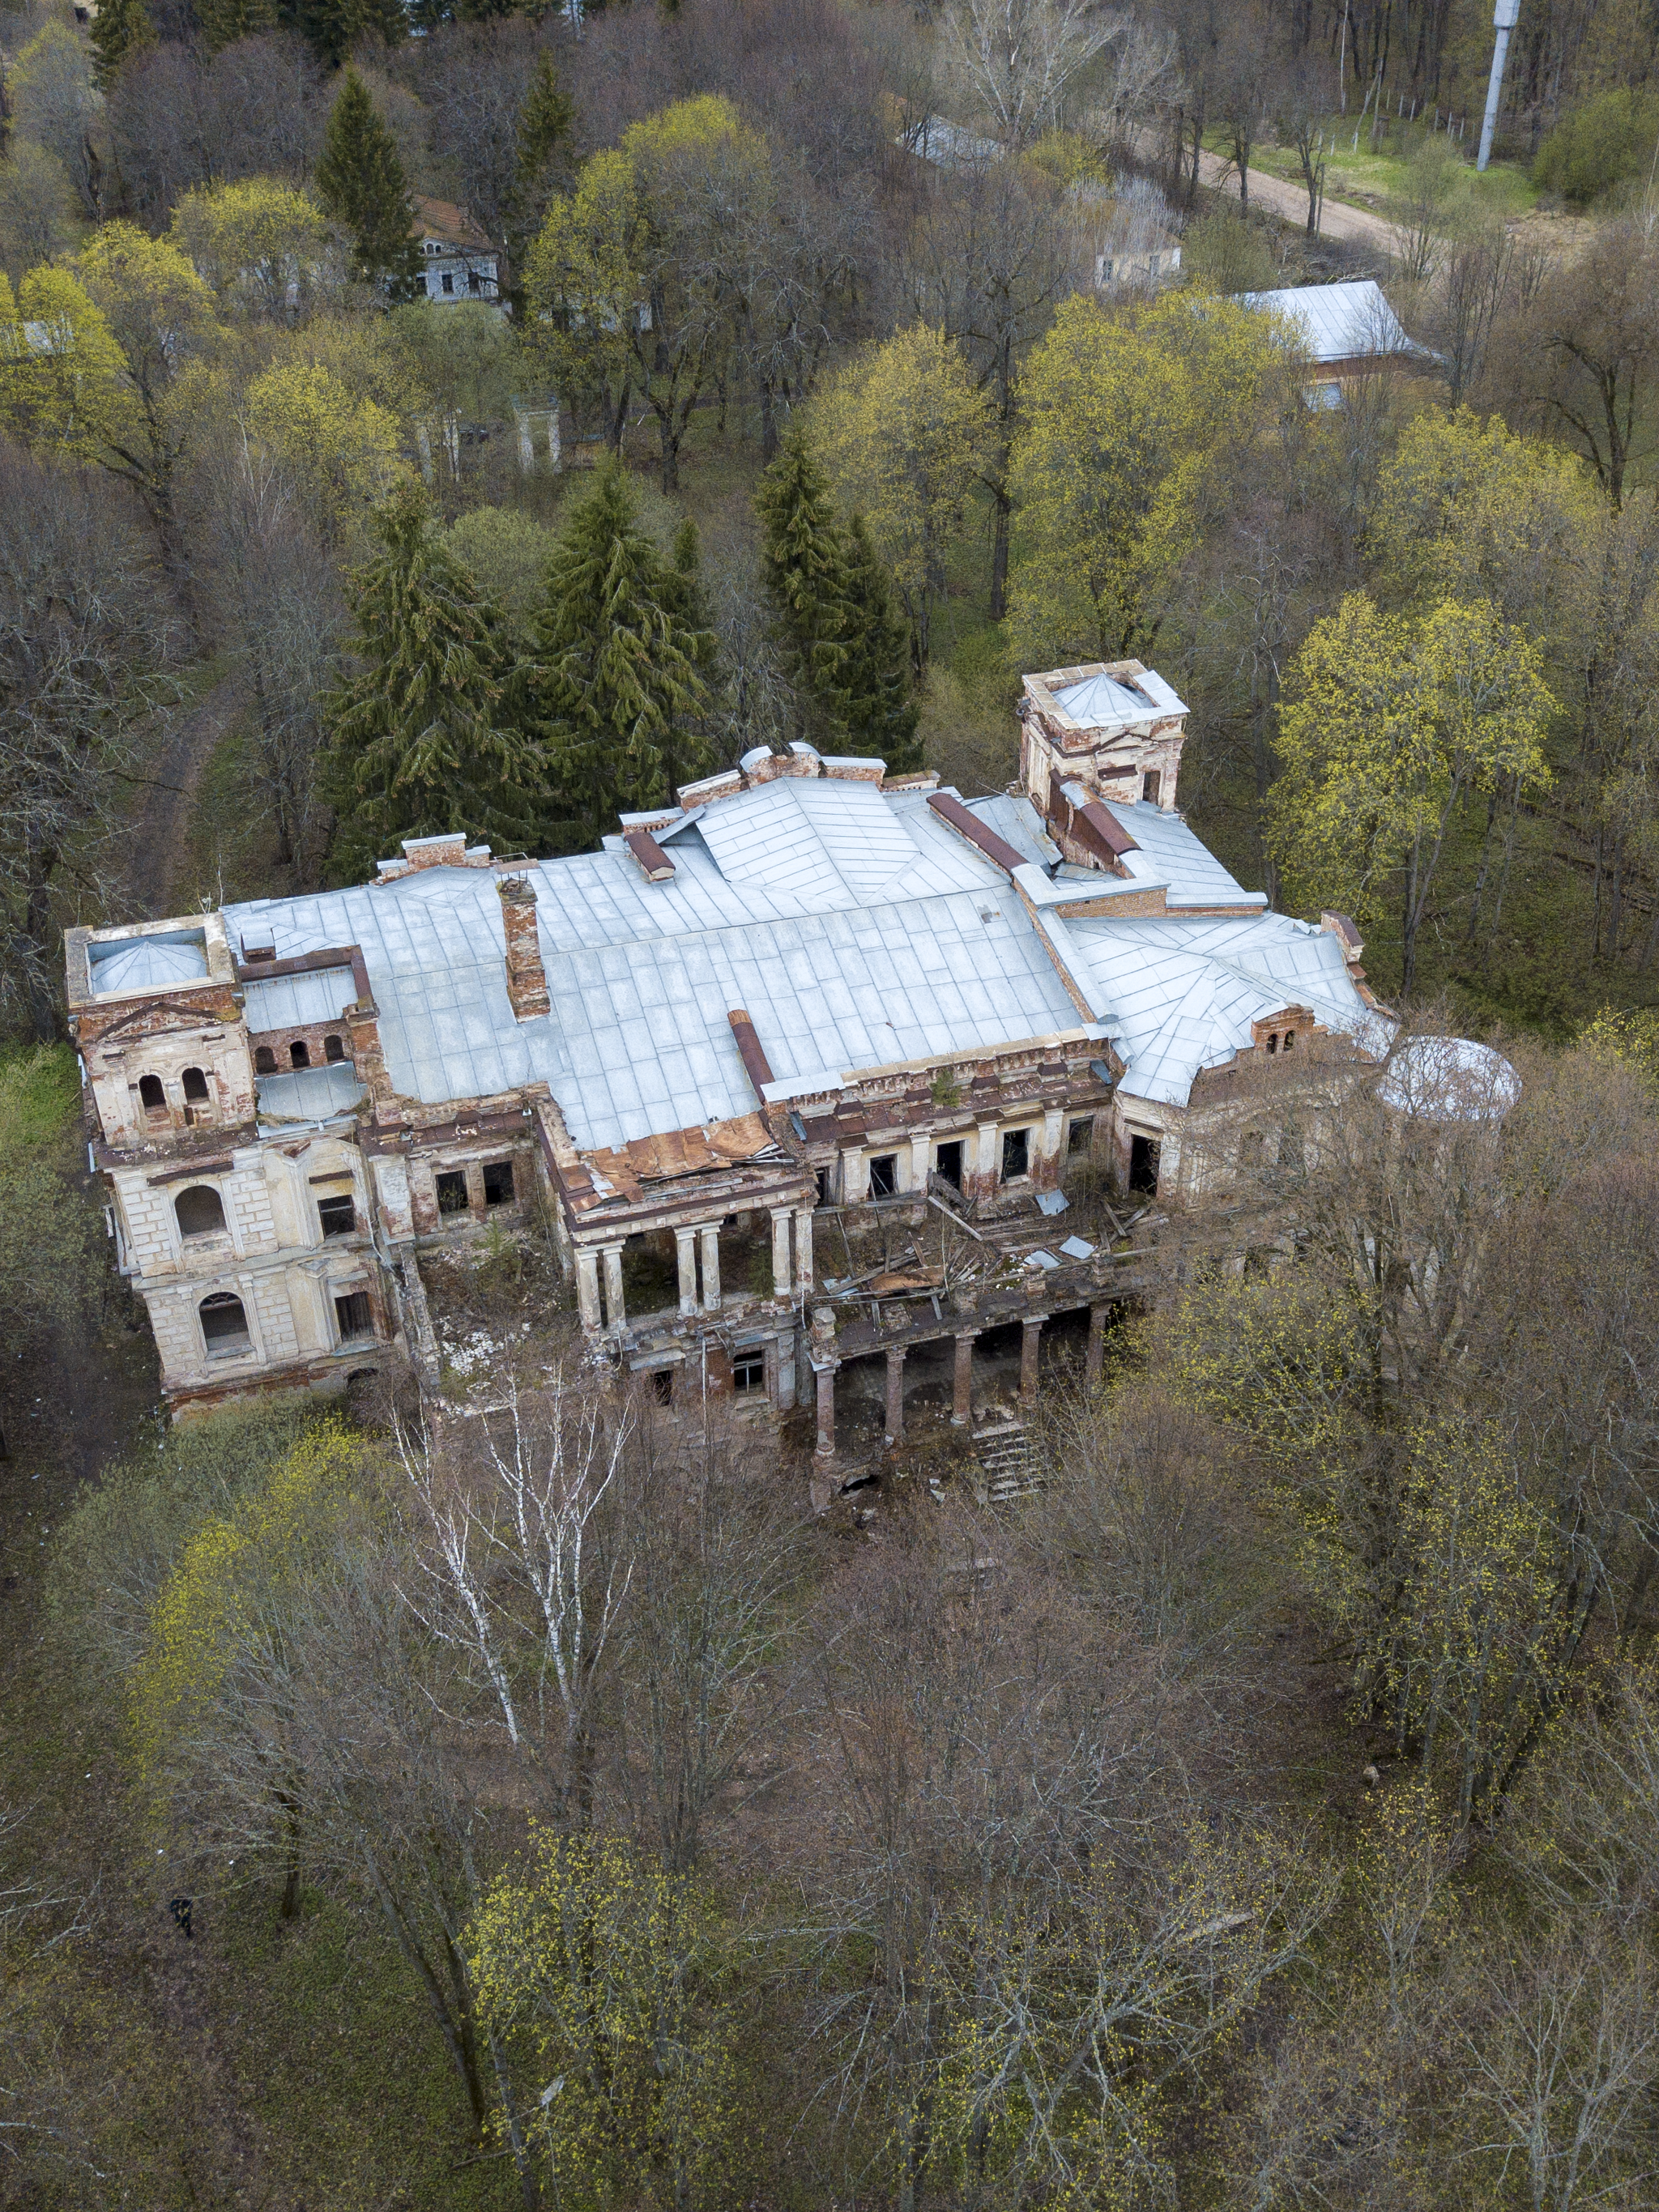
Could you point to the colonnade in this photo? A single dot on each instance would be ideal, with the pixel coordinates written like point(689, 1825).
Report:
point(826, 1366)
point(599, 1297)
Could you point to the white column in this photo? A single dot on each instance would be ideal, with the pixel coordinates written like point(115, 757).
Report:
point(617, 1309)
point(711, 1268)
point(685, 1251)
point(804, 1248)
point(990, 1158)
point(922, 1151)
point(855, 1176)
point(1052, 1121)
point(783, 1285)
point(588, 1286)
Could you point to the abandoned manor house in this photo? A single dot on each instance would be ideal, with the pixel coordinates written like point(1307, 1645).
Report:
point(806, 999)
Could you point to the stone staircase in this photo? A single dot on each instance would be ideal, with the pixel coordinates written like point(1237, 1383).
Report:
point(1009, 1466)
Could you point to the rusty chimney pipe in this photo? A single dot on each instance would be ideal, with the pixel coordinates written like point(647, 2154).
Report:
point(527, 978)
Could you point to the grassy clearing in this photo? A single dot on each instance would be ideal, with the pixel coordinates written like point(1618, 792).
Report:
point(1368, 179)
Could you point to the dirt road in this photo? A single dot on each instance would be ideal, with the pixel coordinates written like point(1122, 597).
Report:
point(163, 819)
point(1354, 226)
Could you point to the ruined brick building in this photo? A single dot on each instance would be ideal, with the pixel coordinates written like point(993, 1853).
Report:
point(805, 988)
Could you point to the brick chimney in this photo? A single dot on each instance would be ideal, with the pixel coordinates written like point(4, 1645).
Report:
point(527, 978)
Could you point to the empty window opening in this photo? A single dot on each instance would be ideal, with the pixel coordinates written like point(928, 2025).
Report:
point(1290, 1039)
point(452, 1192)
point(1152, 786)
point(949, 1167)
point(151, 1096)
point(748, 1373)
point(884, 1174)
point(333, 1049)
point(1273, 1041)
point(1143, 1165)
point(299, 1053)
point(662, 1385)
point(1016, 1154)
point(498, 1183)
point(1081, 1137)
point(264, 1060)
point(196, 1084)
point(337, 1215)
point(355, 1315)
point(224, 1325)
point(824, 1186)
point(199, 1211)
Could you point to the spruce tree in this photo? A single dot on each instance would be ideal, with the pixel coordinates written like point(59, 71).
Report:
point(879, 707)
point(360, 183)
point(545, 122)
point(620, 678)
point(804, 568)
point(430, 736)
point(119, 28)
point(222, 22)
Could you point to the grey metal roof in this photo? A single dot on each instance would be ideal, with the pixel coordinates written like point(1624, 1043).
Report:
point(1337, 322)
point(855, 927)
point(1184, 991)
point(145, 963)
point(1101, 700)
point(298, 1002)
point(309, 1094)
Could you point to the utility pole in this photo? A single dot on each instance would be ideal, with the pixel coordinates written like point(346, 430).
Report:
point(1503, 20)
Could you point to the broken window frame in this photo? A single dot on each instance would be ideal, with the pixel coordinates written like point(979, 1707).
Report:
point(884, 1175)
point(1016, 1147)
point(337, 1214)
point(234, 1341)
point(354, 1316)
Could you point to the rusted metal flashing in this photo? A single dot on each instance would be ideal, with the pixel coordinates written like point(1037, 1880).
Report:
point(1000, 853)
point(376, 1143)
point(757, 1067)
point(1089, 825)
point(653, 862)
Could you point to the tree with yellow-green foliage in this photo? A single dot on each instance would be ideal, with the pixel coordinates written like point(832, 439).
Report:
point(625, 279)
point(102, 347)
point(902, 432)
point(1467, 509)
point(339, 451)
point(264, 248)
point(1130, 418)
point(604, 1967)
point(1388, 723)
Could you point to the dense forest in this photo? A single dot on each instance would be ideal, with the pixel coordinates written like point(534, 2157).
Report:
point(521, 1801)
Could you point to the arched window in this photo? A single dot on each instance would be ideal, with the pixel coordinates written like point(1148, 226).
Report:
point(196, 1084)
point(264, 1060)
point(332, 1049)
point(224, 1325)
point(299, 1053)
point(199, 1211)
point(151, 1096)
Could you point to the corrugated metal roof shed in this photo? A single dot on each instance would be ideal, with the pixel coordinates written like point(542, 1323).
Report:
point(1338, 322)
